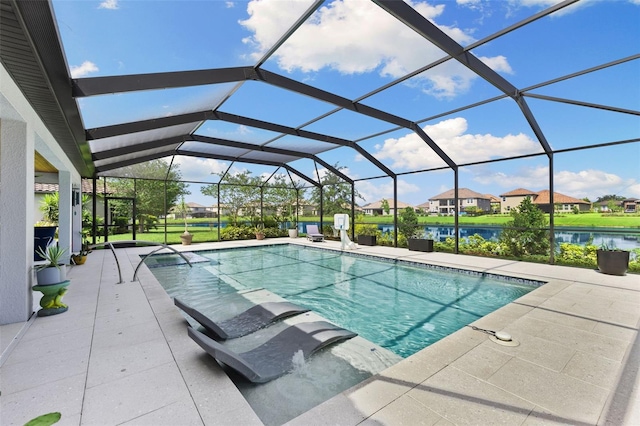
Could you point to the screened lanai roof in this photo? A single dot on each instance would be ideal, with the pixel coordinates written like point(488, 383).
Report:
point(302, 85)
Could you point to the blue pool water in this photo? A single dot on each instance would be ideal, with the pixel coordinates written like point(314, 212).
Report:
point(401, 307)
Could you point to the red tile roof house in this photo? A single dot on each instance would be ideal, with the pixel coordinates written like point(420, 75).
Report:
point(445, 203)
point(375, 208)
point(563, 203)
point(41, 189)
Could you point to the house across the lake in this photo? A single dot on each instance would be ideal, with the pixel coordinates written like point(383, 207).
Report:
point(542, 199)
point(376, 208)
point(445, 203)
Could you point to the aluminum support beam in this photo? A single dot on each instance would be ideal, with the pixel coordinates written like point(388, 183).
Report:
point(93, 86)
point(583, 104)
point(249, 161)
point(110, 153)
point(248, 146)
point(410, 17)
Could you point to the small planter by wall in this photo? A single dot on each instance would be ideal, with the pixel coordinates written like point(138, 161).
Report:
point(613, 262)
point(259, 236)
point(420, 244)
point(51, 275)
point(293, 233)
point(367, 240)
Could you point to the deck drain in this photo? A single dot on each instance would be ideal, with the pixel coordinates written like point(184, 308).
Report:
point(503, 339)
point(500, 337)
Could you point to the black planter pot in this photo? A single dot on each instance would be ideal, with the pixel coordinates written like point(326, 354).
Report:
point(613, 262)
point(42, 235)
point(367, 240)
point(420, 244)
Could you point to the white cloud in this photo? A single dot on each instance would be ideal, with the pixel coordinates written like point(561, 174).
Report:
point(497, 63)
point(109, 4)
point(239, 132)
point(353, 37)
point(373, 192)
point(200, 169)
point(592, 183)
point(83, 70)
point(585, 183)
point(230, 4)
point(543, 4)
point(410, 152)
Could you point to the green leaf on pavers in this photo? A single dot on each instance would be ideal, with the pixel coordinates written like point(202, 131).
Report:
point(44, 420)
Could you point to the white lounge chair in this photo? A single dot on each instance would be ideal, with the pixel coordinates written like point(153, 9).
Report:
point(313, 234)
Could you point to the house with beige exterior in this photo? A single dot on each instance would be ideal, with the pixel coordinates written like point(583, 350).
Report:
point(445, 203)
point(542, 199)
point(375, 208)
point(512, 199)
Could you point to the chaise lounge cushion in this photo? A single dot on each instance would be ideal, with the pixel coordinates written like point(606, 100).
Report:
point(247, 322)
point(275, 357)
point(313, 234)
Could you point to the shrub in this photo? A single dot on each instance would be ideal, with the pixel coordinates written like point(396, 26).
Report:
point(367, 230)
point(408, 225)
point(274, 232)
point(327, 230)
point(270, 222)
point(526, 233)
point(386, 239)
point(148, 222)
point(477, 245)
point(446, 246)
point(230, 233)
point(575, 255)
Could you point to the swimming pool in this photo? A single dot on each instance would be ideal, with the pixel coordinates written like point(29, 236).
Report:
point(397, 308)
point(400, 306)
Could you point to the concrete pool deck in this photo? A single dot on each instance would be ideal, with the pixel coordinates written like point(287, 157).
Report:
point(121, 355)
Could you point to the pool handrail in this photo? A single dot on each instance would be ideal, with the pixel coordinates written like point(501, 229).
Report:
point(136, 242)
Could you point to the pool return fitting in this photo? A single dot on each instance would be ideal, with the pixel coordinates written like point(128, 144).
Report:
point(500, 337)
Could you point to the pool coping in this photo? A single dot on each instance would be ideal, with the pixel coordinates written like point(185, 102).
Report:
point(577, 362)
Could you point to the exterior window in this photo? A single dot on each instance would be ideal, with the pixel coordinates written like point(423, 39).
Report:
point(469, 200)
point(504, 199)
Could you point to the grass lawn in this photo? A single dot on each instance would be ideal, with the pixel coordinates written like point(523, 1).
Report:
point(207, 234)
point(200, 235)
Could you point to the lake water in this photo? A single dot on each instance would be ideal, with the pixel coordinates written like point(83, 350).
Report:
point(622, 239)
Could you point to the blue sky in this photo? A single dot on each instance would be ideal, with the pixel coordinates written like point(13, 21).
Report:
point(352, 47)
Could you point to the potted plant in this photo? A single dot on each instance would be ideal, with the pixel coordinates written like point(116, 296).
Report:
point(81, 257)
point(259, 231)
point(367, 234)
point(612, 261)
point(53, 271)
point(186, 238)
point(417, 242)
point(293, 229)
